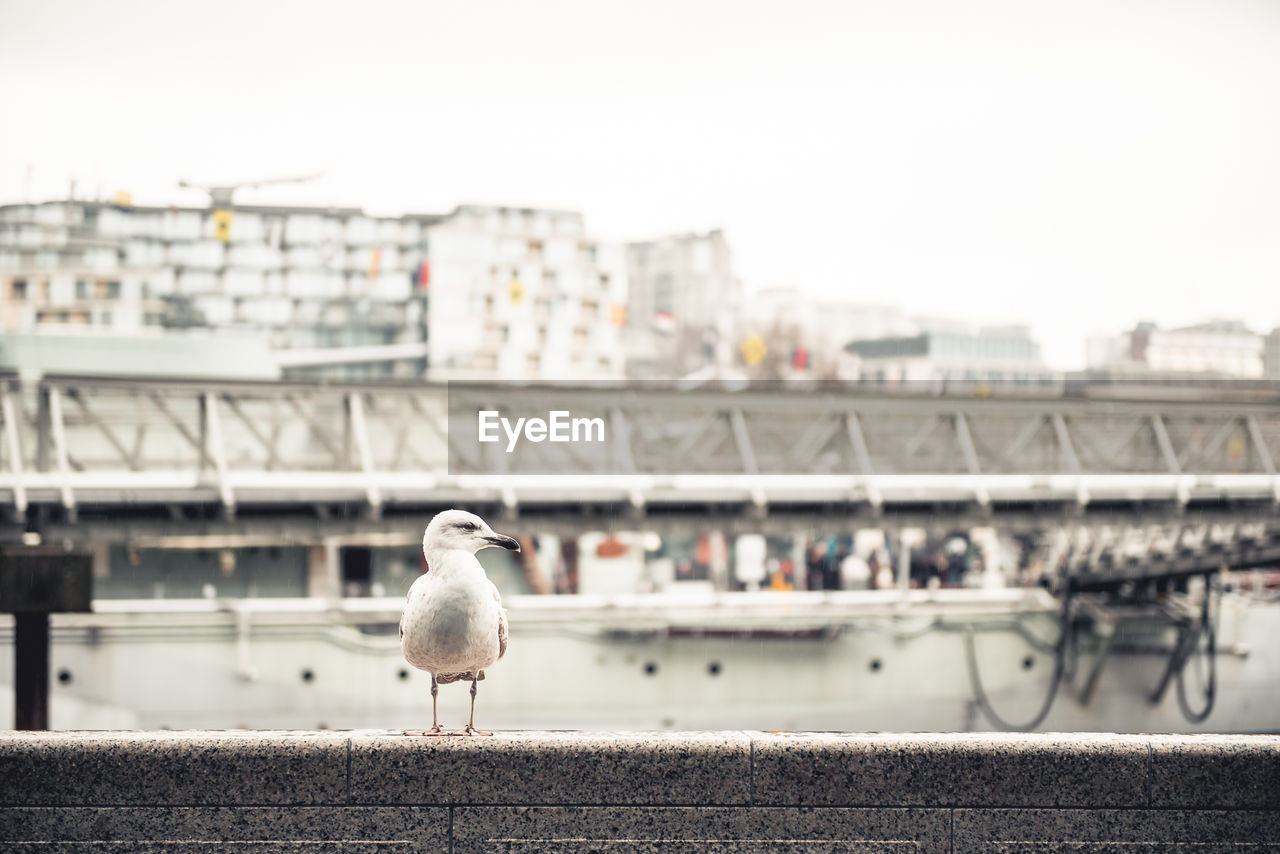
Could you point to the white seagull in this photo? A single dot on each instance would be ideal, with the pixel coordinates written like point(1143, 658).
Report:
point(454, 625)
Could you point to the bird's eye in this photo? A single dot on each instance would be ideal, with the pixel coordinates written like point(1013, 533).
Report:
point(467, 526)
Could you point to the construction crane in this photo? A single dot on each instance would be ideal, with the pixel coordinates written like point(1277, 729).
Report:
point(220, 194)
point(220, 201)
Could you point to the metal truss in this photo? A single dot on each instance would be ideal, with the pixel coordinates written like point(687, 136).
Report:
point(260, 448)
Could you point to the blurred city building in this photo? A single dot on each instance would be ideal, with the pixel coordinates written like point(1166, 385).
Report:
point(951, 352)
point(146, 352)
point(333, 291)
point(1223, 348)
point(518, 293)
point(682, 303)
point(1271, 355)
point(805, 337)
point(305, 279)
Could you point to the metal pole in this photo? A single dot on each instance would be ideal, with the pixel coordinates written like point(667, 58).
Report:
point(31, 669)
point(904, 564)
point(60, 453)
point(14, 447)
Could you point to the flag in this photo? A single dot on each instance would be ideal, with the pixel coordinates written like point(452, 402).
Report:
point(424, 275)
point(664, 321)
point(800, 358)
point(515, 291)
point(375, 255)
point(618, 314)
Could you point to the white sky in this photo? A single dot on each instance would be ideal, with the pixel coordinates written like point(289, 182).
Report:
point(1077, 165)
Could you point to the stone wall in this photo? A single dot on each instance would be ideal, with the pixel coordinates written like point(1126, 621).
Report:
point(660, 792)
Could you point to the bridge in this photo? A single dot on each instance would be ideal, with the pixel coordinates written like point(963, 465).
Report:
point(1137, 496)
point(115, 459)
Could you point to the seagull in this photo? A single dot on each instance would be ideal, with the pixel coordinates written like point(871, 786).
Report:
point(454, 625)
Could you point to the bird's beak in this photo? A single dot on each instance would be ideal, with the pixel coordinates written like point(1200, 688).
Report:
point(508, 543)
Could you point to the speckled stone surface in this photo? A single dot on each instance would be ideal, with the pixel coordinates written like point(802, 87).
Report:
point(1233, 772)
point(553, 768)
point(817, 769)
point(421, 828)
point(1201, 831)
point(153, 768)
point(172, 846)
point(676, 830)
point(366, 791)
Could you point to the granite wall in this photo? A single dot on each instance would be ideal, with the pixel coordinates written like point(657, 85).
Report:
point(652, 792)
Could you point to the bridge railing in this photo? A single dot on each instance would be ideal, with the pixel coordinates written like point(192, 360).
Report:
point(72, 441)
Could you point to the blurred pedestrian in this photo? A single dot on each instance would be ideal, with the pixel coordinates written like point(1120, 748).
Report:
point(855, 573)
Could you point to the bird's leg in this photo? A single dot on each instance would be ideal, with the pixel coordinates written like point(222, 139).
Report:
point(436, 729)
point(471, 724)
point(435, 705)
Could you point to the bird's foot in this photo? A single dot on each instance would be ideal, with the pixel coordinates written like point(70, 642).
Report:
point(470, 730)
point(435, 730)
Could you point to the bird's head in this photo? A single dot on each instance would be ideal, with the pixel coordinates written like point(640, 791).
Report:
point(458, 529)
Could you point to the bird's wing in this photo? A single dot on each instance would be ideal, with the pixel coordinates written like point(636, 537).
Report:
point(415, 590)
point(502, 621)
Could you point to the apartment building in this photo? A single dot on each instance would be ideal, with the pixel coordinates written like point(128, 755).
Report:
point(683, 302)
point(520, 293)
point(517, 293)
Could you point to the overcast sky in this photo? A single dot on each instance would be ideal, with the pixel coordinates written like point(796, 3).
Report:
point(1077, 165)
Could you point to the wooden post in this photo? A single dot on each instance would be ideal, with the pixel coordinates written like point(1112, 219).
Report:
point(31, 670)
point(35, 582)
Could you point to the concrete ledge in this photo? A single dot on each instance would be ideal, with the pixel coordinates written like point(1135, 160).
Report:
point(624, 769)
point(734, 791)
point(173, 768)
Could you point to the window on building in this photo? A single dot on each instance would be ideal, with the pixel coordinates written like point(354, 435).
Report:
point(19, 289)
point(357, 571)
